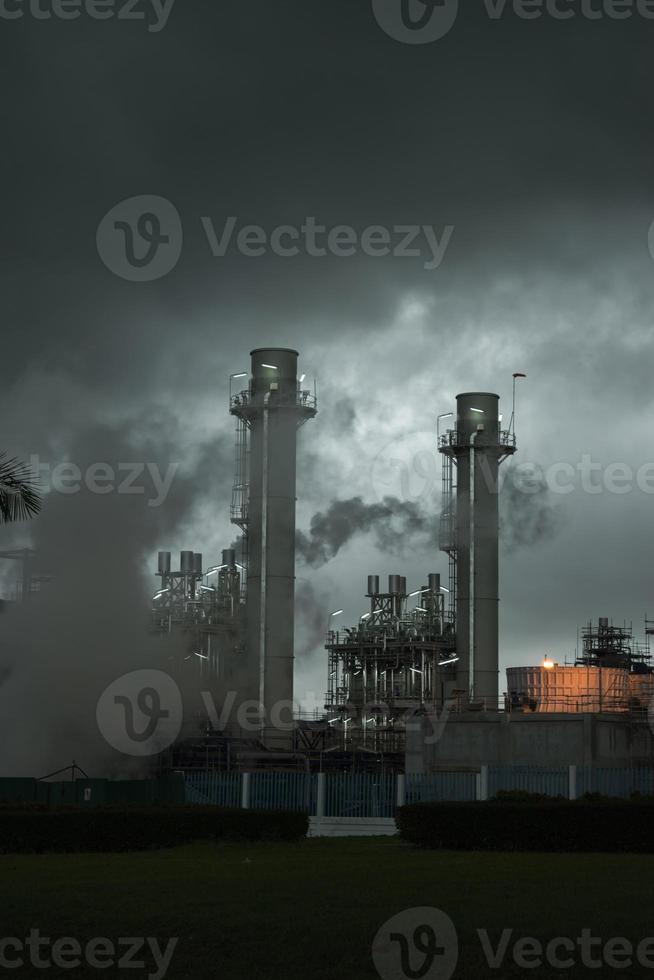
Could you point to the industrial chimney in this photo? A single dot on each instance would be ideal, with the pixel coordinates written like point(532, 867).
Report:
point(273, 408)
point(476, 447)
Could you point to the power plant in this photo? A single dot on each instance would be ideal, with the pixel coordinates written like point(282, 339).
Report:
point(420, 652)
point(412, 685)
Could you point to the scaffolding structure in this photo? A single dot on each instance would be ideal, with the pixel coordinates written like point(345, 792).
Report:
point(606, 645)
point(447, 528)
point(390, 666)
point(238, 512)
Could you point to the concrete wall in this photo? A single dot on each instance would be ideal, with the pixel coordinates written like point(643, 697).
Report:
point(352, 827)
point(495, 738)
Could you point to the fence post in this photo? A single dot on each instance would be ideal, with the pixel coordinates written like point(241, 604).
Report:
point(320, 797)
point(400, 794)
point(572, 782)
point(245, 791)
point(482, 783)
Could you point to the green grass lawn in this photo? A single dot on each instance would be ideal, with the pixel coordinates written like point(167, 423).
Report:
point(310, 911)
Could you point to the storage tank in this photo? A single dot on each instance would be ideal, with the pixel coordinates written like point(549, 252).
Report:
point(186, 562)
point(164, 563)
point(568, 689)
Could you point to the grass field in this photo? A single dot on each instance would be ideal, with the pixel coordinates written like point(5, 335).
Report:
point(310, 911)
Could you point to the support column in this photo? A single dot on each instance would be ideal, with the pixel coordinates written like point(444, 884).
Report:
point(245, 791)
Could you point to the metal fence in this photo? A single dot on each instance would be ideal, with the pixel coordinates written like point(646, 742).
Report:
point(532, 779)
point(283, 791)
point(615, 782)
point(354, 795)
point(359, 795)
point(93, 792)
point(441, 786)
point(217, 788)
point(341, 795)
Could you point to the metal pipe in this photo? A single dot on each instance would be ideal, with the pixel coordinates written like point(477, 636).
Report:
point(471, 586)
point(264, 567)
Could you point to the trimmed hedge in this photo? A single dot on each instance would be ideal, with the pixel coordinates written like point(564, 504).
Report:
point(108, 829)
point(582, 825)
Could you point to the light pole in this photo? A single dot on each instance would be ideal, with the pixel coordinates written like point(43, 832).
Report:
point(518, 374)
point(233, 377)
point(337, 612)
point(445, 415)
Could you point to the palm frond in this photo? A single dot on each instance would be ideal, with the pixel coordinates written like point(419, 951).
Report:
point(20, 498)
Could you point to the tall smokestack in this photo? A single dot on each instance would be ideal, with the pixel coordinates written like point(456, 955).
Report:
point(477, 446)
point(273, 408)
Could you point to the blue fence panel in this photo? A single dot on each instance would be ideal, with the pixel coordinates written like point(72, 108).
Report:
point(642, 781)
point(615, 782)
point(283, 791)
point(360, 795)
point(532, 779)
point(421, 788)
point(216, 788)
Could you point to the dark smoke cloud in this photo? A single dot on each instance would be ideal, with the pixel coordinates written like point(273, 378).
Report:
point(564, 292)
point(397, 525)
point(528, 513)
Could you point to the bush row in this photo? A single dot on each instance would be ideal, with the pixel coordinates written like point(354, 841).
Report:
point(583, 825)
point(32, 830)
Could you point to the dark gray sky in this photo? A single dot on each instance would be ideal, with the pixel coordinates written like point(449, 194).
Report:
point(530, 137)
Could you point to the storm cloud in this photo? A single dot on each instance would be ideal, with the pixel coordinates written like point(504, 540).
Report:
point(236, 110)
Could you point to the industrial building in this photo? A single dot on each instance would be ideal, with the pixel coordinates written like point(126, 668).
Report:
point(393, 661)
point(413, 684)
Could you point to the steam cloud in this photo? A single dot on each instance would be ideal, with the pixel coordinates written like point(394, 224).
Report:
point(397, 525)
point(527, 514)
point(89, 624)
